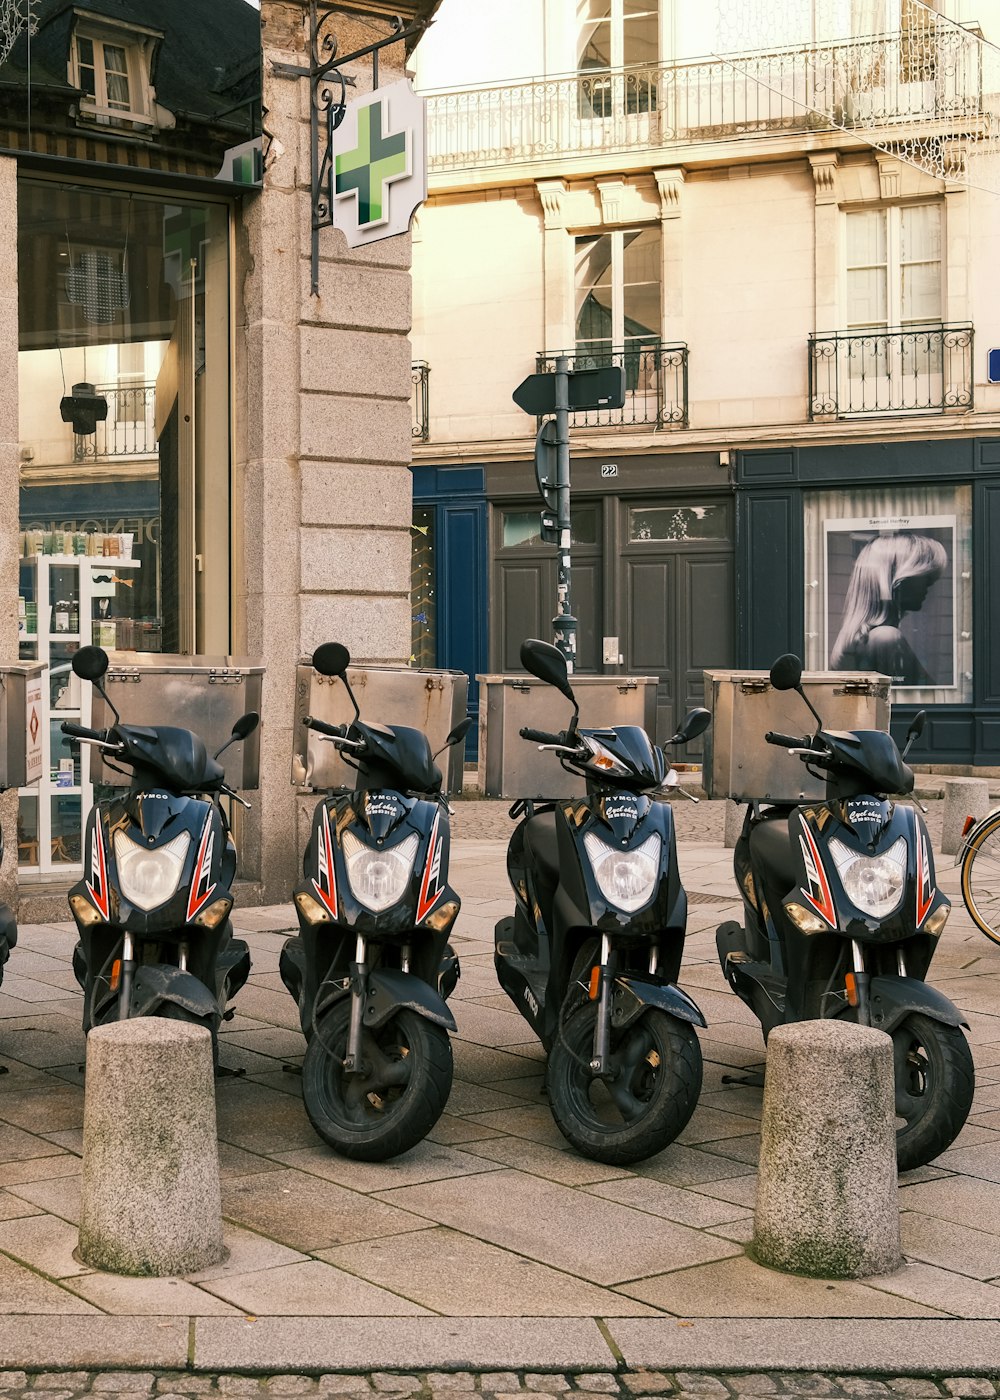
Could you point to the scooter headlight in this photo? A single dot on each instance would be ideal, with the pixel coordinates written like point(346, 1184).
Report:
point(874, 884)
point(148, 878)
point(378, 877)
point(627, 879)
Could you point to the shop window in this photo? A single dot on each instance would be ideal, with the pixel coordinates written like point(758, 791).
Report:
point(677, 524)
point(423, 590)
point(889, 588)
point(523, 528)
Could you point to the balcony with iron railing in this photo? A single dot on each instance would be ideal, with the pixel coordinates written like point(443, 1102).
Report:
point(914, 369)
point(420, 422)
point(129, 429)
point(656, 382)
point(870, 83)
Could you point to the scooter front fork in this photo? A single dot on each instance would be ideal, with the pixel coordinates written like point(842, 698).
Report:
point(859, 992)
point(602, 1030)
point(359, 994)
point(127, 977)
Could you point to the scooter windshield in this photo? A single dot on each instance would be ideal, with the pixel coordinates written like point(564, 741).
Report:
point(873, 753)
point(177, 756)
point(396, 752)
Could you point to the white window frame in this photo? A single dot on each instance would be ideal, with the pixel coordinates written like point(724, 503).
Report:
point(617, 236)
point(138, 45)
point(894, 269)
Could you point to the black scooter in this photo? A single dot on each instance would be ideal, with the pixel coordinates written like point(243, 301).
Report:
point(372, 966)
point(591, 956)
point(153, 906)
point(842, 917)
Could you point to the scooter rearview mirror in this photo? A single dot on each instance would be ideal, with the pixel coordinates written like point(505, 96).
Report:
point(547, 662)
point(331, 659)
point(457, 734)
point(695, 722)
point(244, 726)
point(786, 673)
point(915, 730)
point(90, 663)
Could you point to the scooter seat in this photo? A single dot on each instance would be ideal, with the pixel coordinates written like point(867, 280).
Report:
point(771, 850)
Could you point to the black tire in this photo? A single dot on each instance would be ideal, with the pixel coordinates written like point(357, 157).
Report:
point(639, 1112)
point(394, 1105)
point(935, 1081)
point(981, 877)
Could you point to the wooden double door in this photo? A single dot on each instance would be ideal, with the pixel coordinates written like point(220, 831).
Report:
point(652, 585)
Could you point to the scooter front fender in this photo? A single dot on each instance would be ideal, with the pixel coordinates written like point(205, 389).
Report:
point(159, 982)
point(893, 998)
point(635, 995)
point(390, 990)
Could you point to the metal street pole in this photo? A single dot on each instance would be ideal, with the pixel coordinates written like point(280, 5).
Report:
point(564, 623)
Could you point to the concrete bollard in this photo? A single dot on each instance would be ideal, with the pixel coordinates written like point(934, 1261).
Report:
point(826, 1193)
point(151, 1196)
point(735, 817)
point(963, 797)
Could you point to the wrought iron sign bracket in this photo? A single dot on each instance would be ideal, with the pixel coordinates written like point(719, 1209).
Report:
point(328, 86)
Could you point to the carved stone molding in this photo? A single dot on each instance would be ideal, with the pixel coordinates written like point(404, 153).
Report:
point(612, 193)
point(670, 184)
point(890, 176)
point(824, 173)
point(552, 193)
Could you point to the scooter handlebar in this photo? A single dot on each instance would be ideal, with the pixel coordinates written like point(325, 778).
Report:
point(539, 736)
point(333, 731)
point(785, 741)
point(80, 731)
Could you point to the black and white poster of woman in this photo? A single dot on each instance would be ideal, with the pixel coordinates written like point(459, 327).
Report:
point(890, 598)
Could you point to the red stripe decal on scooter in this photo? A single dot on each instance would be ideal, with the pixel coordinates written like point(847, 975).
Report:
point(326, 886)
point(99, 891)
point(816, 876)
point(925, 890)
point(431, 887)
point(202, 872)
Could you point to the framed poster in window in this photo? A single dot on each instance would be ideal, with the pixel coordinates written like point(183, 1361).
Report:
point(891, 600)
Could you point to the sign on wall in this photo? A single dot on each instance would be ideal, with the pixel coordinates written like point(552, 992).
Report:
point(380, 167)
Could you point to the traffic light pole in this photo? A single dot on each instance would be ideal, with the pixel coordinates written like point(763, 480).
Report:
point(564, 623)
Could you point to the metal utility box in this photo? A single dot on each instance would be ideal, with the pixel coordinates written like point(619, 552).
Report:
point(510, 766)
point(739, 764)
point(21, 720)
point(206, 694)
point(422, 698)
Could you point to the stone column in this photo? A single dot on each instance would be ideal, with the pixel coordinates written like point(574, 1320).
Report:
point(557, 284)
point(670, 184)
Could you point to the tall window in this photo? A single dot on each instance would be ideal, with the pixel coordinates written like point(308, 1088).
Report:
point(618, 299)
point(616, 34)
point(112, 71)
point(894, 266)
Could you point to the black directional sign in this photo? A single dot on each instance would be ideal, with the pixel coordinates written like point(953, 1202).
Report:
point(588, 388)
point(546, 470)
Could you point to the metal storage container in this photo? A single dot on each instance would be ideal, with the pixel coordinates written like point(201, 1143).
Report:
point(206, 694)
point(21, 721)
point(422, 698)
point(510, 766)
point(739, 764)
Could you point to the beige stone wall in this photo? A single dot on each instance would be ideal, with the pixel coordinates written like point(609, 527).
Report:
point(9, 480)
point(323, 445)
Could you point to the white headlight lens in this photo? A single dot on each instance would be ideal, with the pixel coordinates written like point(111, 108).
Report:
point(378, 878)
point(626, 879)
point(150, 877)
point(873, 883)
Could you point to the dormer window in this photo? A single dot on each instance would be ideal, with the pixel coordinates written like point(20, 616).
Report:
point(111, 64)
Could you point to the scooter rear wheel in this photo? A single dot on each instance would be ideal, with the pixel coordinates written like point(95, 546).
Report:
point(935, 1081)
point(657, 1069)
point(397, 1099)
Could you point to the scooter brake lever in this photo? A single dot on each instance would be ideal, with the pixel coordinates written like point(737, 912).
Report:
point(236, 797)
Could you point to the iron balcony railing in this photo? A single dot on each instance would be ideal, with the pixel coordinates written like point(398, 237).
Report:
point(864, 83)
point(656, 382)
point(914, 369)
point(420, 422)
point(129, 429)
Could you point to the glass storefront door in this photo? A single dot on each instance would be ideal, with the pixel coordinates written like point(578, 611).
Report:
point(124, 433)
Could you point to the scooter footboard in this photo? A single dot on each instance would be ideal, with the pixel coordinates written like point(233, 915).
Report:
point(390, 990)
point(158, 982)
point(634, 995)
point(893, 998)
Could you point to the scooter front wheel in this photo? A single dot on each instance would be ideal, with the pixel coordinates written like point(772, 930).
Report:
point(651, 1092)
point(935, 1081)
point(397, 1097)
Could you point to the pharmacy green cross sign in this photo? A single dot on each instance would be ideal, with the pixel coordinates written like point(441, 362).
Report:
point(379, 173)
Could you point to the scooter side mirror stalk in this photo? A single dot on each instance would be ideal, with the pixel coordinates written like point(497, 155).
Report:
point(915, 730)
point(333, 659)
point(786, 674)
point(242, 729)
point(91, 664)
point(457, 734)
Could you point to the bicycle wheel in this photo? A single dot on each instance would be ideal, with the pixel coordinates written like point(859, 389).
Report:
point(981, 877)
